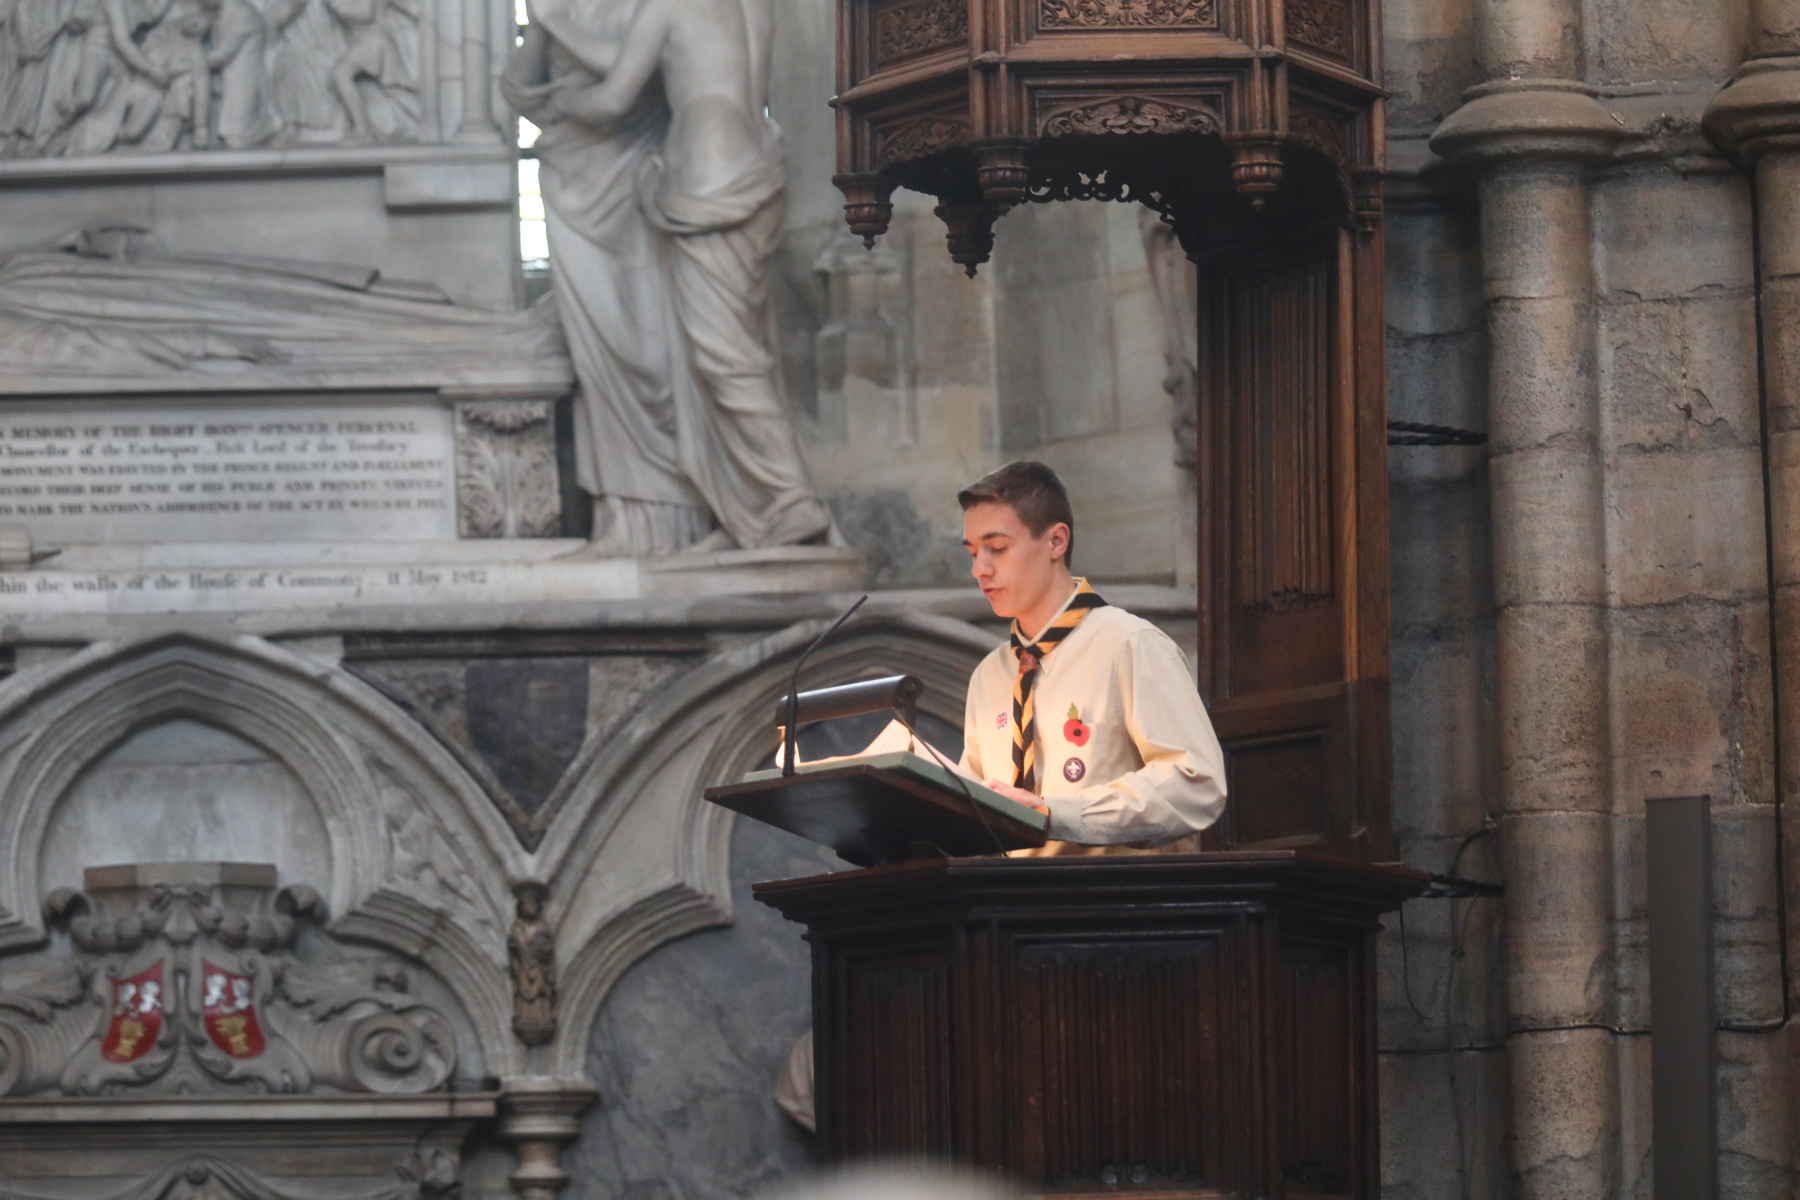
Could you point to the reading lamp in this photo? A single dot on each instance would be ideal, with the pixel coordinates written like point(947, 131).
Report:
point(898, 693)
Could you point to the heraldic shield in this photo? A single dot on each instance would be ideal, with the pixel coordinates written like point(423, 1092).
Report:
point(137, 1016)
point(196, 988)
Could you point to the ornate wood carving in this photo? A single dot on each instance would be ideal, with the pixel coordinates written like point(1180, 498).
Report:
point(1257, 131)
point(1128, 14)
point(1322, 25)
point(919, 27)
point(1317, 131)
point(1282, 364)
point(927, 135)
point(1130, 114)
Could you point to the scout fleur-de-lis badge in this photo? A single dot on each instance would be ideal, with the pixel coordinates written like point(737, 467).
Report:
point(137, 1016)
point(228, 1008)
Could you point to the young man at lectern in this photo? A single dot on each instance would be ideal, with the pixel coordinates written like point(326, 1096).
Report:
point(1087, 713)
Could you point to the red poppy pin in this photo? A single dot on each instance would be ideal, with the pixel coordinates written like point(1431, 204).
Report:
point(1073, 729)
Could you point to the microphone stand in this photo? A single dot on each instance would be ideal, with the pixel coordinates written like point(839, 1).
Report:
point(790, 734)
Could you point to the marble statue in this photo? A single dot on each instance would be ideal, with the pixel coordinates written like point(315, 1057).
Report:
point(1172, 275)
point(111, 301)
point(665, 186)
point(84, 77)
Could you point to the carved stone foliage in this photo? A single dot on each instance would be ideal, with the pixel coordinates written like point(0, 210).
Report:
point(1131, 114)
point(431, 1174)
point(919, 27)
point(192, 988)
point(1322, 25)
point(926, 135)
point(80, 77)
point(1128, 14)
point(506, 480)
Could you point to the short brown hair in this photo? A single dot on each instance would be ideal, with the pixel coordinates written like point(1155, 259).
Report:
point(1030, 489)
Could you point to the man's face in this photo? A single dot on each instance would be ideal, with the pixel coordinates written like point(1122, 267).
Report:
point(1013, 568)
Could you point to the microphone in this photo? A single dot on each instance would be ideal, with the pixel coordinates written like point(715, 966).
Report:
point(790, 733)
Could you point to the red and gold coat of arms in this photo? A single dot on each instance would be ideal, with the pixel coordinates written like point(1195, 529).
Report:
point(137, 1016)
point(228, 1009)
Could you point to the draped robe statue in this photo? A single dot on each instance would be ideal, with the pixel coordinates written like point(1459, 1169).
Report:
point(665, 189)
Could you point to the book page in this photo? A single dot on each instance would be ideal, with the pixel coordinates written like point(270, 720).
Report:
point(893, 739)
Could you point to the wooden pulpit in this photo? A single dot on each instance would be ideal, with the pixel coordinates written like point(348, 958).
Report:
point(1149, 1025)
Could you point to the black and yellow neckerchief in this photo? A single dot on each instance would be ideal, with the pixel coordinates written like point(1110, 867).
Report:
point(1031, 654)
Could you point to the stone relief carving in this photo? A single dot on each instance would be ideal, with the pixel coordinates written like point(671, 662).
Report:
point(179, 988)
point(531, 955)
point(431, 1174)
point(1319, 25)
point(1131, 114)
point(83, 77)
point(902, 30)
point(1128, 14)
point(422, 859)
point(506, 480)
point(111, 301)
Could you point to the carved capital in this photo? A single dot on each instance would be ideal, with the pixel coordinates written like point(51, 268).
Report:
point(539, 1116)
point(1758, 112)
point(1517, 122)
point(506, 477)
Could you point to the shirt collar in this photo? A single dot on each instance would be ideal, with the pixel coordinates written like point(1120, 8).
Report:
point(1044, 663)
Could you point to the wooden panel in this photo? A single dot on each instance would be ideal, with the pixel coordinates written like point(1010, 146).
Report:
point(895, 1100)
point(1131, 1099)
point(1281, 373)
point(1293, 635)
point(1316, 1052)
point(907, 29)
point(1289, 763)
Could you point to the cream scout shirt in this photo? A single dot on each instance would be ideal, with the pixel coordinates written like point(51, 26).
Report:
point(1126, 753)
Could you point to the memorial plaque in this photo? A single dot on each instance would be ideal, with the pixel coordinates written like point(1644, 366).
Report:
point(218, 474)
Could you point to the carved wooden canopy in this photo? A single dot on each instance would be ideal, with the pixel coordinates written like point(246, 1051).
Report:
point(1255, 128)
point(1229, 116)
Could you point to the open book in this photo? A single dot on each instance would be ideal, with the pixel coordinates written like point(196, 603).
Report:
point(894, 738)
point(896, 750)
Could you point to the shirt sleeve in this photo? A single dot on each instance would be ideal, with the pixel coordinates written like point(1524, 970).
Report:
point(1180, 789)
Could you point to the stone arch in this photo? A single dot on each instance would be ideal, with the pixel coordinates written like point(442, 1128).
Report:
point(636, 817)
point(342, 740)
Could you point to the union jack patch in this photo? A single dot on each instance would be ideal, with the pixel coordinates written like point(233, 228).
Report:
point(1000, 720)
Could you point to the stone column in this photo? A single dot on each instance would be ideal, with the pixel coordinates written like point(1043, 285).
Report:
point(478, 124)
point(1531, 137)
point(1756, 121)
point(539, 1116)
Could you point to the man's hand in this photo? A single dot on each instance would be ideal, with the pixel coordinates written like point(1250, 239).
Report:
point(1028, 799)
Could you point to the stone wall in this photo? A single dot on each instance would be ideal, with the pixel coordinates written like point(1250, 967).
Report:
point(1582, 619)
